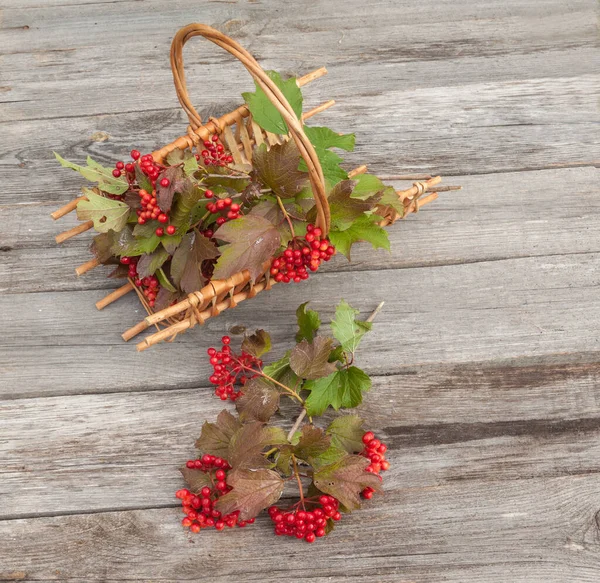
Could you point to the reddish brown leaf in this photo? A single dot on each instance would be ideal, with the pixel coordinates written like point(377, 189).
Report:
point(312, 443)
point(309, 360)
point(186, 265)
point(165, 194)
point(215, 437)
point(257, 344)
point(195, 479)
point(277, 168)
point(259, 401)
point(248, 443)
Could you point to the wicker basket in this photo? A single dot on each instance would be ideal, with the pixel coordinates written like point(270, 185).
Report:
point(239, 133)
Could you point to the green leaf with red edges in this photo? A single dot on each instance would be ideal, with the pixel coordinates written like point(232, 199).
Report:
point(253, 491)
point(343, 388)
point(259, 400)
point(346, 479)
point(345, 210)
point(257, 344)
point(215, 437)
point(310, 360)
point(365, 228)
point(95, 172)
point(107, 214)
point(186, 265)
point(277, 168)
point(248, 443)
point(264, 113)
point(347, 432)
point(195, 480)
point(252, 241)
point(313, 442)
point(308, 323)
point(149, 263)
point(177, 183)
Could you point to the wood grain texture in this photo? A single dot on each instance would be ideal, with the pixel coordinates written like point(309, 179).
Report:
point(485, 358)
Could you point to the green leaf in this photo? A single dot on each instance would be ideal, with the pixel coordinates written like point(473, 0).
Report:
point(215, 437)
point(185, 157)
point(364, 228)
point(283, 461)
point(310, 360)
point(195, 480)
point(368, 185)
point(259, 400)
point(331, 455)
point(343, 388)
point(107, 214)
point(164, 283)
point(276, 369)
point(247, 445)
point(142, 180)
point(308, 323)
point(277, 168)
point(323, 138)
point(97, 173)
point(253, 240)
point(253, 491)
point(330, 164)
point(313, 442)
point(264, 113)
point(347, 432)
point(186, 265)
point(345, 209)
point(149, 263)
point(345, 479)
point(257, 344)
point(346, 328)
point(185, 203)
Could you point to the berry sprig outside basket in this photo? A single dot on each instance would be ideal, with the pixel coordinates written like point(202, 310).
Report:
point(245, 461)
point(240, 203)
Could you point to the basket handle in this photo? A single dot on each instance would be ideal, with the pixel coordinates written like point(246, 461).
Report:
point(271, 90)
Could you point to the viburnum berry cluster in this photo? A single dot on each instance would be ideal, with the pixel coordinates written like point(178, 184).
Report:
point(227, 209)
point(214, 153)
point(334, 468)
point(231, 371)
point(302, 255)
point(148, 285)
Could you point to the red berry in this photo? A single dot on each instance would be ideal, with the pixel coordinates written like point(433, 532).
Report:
point(171, 229)
point(208, 193)
point(165, 182)
point(135, 154)
point(160, 232)
point(368, 437)
point(116, 173)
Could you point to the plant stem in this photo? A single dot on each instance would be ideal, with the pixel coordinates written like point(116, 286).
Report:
point(299, 481)
point(296, 425)
point(286, 389)
point(375, 312)
point(287, 217)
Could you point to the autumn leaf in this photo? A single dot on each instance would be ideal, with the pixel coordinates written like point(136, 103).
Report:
point(313, 442)
point(347, 432)
point(346, 328)
point(253, 491)
point(107, 214)
point(277, 168)
point(177, 183)
point(345, 210)
point(215, 437)
point(308, 323)
point(247, 444)
point(345, 479)
point(252, 240)
point(184, 157)
point(195, 480)
point(310, 360)
point(150, 262)
point(142, 180)
point(259, 400)
point(257, 344)
point(186, 265)
point(95, 172)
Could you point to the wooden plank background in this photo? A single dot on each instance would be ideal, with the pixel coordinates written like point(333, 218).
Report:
point(485, 359)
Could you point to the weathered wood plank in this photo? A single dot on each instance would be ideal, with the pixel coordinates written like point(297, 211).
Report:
point(534, 531)
point(454, 314)
point(486, 422)
point(496, 216)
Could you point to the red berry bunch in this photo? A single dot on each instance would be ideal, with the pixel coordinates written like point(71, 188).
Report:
point(307, 525)
point(214, 153)
point(149, 285)
point(375, 451)
point(121, 167)
point(302, 255)
point(230, 370)
point(148, 166)
point(230, 209)
point(200, 508)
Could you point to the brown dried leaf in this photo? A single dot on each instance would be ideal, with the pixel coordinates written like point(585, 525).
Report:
point(186, 265)
point(195, 479)
point(257, 344)
point(313, 442)
point(215, 437)
point(309, 360)
point(247, 445)
point(259, 400)
point(277, 168)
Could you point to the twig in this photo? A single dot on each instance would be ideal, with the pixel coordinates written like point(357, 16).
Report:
point(286, 216)
point(375, 312)
point(296, 424)
point(299, 482)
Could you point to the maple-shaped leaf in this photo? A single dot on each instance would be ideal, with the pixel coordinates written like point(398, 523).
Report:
point(165, 298)
point(247, 444)
point(345, 209)
point(277, 168)
point(259, 400)
point(308, 323)
point(186, 265)
point(215, 437)
point(283, 460)
point(253, 491)
point(347, 432)
point(143, 181)
point(264, 113)
point(252, 240)
point(177, 183)
point(310, 360)
point(365, 228)
point(150, 262)
point(368, 185)
point(322, 138)
point(343, 388)
point(107, 214)
point(185, 158)
point(332, 454)
point(101, 247)
point(257, 344)
point(195, 479)
point(189, 201)
point(345, 479)
point(312, 443)
point(281, 371)
point(346, 328)
point(95, 172)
